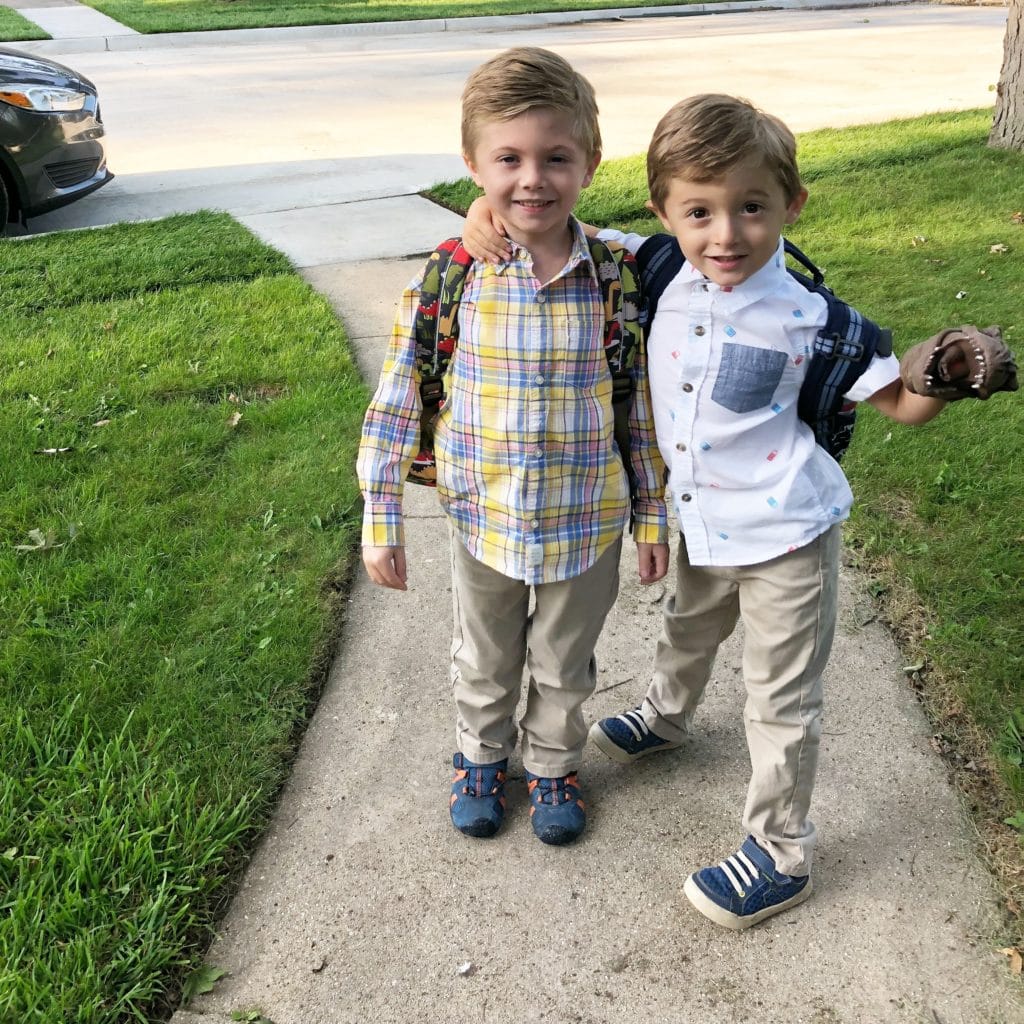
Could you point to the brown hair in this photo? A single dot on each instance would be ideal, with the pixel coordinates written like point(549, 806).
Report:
point(703, 137)
point(528, 78)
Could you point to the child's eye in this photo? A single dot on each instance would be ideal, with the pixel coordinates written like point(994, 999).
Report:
point(752, 208)
point(507, 159)
point(697, 213)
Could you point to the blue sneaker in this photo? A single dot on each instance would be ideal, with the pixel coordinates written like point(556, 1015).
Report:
point(626, 737)
point(745, 888)
point(477, 805)
point(556, 810)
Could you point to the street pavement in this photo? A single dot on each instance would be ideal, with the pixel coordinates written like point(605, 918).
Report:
point(362, 903)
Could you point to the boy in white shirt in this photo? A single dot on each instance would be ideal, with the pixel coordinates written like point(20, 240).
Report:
point(759, 502)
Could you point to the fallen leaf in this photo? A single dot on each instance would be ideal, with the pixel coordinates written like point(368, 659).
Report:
point(918, 240)
point(1016, 958)
point(960, 295)
point(234, 419)
point(910, 669)
point(101, 423)
point(40, 541)
point(201, 980)
point(1018, 217)
point(52, 451)
point(999, 247)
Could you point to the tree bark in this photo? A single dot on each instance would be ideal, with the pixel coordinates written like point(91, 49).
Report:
point(1008, 125)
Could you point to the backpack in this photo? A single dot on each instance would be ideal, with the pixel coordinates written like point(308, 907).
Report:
point(842, 351)
point(436, 327)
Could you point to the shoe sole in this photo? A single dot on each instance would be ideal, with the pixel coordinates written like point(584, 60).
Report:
point(734, 922)
point(608, 746)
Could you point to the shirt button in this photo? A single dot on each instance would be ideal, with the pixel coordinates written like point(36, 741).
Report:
point(541, 297)
point(539, 378)
point(687, 388)
point(535, 523)
point(538, 452)
point(685, 497)
point(699, 331)
point(680, 447)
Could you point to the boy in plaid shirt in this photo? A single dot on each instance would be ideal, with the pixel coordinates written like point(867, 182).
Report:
point(527, 470)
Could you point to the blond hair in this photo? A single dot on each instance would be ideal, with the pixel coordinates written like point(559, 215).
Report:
point(704, 137)
point(528, 78)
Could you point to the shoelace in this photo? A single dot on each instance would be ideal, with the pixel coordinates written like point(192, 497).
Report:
point(635, 723)
point(476, 780)
point(742, 865)
point(550, 788)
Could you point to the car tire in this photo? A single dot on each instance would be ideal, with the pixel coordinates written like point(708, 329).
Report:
point(5, 206)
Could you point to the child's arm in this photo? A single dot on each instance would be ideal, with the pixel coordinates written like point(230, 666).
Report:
point(650, 520)
point(903, 406)
point(387, 448)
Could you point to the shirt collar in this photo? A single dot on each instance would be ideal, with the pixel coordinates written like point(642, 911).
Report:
point(756, 287)
point(580, 253)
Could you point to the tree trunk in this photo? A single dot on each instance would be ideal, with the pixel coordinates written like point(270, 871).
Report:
point(1008, 126)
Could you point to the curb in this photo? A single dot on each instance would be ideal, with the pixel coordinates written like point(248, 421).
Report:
point(486, 23)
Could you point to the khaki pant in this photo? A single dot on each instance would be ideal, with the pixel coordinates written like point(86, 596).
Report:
point(496, 634)
point(788, 606)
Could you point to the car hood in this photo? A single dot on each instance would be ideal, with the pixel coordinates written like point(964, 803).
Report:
point(25, 69)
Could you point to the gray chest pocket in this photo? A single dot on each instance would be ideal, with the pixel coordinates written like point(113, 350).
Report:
point(748, 377)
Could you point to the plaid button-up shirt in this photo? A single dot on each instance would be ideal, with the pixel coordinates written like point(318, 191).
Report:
point(527, 470)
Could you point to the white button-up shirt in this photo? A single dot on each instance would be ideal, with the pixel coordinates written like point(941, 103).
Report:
point(747, 479)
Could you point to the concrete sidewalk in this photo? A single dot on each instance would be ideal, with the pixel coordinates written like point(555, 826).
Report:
point(364, 904)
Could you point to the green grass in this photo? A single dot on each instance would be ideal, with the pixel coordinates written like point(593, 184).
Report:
point(168, 590)
point(903, 218)
point(13, 27)
point(202, 15)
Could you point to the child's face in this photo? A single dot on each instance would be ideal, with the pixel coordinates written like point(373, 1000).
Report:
point(729, 227)
point(532, 170)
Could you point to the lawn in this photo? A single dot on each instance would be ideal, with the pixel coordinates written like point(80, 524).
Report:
point(921, 226)
point(13, 27)
point(178, 415)
point(203, 15)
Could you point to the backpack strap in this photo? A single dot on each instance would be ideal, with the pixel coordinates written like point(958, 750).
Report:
point(618, 278)
point(436, 328)
point(842, 352)
point(659, 260)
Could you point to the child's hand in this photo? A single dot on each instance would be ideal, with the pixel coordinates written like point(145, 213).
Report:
point(483, 234)
point(960, 362)
point(653, 562)
point(386, 566)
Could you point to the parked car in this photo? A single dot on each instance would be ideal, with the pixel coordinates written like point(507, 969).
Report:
point(51, 136)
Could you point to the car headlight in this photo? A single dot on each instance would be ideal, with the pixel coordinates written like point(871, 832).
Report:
point(46, 98)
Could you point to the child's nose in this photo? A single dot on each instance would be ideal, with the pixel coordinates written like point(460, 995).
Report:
point(532, 173)
point(726, 230)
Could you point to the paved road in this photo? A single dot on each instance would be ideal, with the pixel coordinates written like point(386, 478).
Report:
point(286, 133)
point(362, 904)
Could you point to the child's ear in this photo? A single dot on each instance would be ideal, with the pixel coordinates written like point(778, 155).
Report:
point(794, 208)
point(591, 168)
point(657, 213)
point(471, 167)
